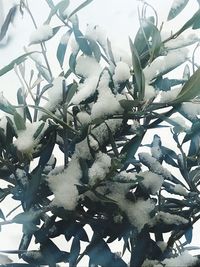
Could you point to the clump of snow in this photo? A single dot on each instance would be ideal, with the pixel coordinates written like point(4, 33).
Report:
point(87, 66)
point(122, 55)
point(97, 34)
point(181, 125)
point(135, 126)
point(25, 141)
point(121, 72)
point(168, 218)
point(139, 212)
point(101, 132)
point(151, 263)
point(41, 34)
point(183, 260)
point(182, 41)
point(164, 63)
point(5, 259)
point(154, 165)
point(162, 245)
point(126, 176)
point(85, 89)
point(107, 103)
point(151, 181)
point(55, 94)
point(63, 185)
point(100, 168)
point(82, 150)
point(21, 175)
point(90, 69)
point(150, 92)
point(168, 96)
point(93, 143)
point(84, 118)
point(156, 151)
point(180, 190)
point(191, 109)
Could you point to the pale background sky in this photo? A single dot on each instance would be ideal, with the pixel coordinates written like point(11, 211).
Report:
point(119, 18)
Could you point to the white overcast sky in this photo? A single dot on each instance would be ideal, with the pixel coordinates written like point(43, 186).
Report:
point(119, 18)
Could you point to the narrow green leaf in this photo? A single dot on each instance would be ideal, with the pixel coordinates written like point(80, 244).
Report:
point(176, 8)
point(95, 50)
point(193, 22)
point(72, 88)
point(82, 41)
point(142, 37)
point(30, 194)
point(9, 18)
point(193, 132)
point(110, 53)
point(138, 73)
point(72, 62)
point(62, 47)
point(16, 61)
point(156, 43)
point(19, 122)
point(5, 105)
point(190, 89)
point(39, 130)
point(2, 215)
point(84, 4)
point(131, 147)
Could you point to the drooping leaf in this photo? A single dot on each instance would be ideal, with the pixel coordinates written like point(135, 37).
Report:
point(54, 31)
point(19, 122)
point(138, 73)
point(39, 130)
point(62, 47)
point(60, 7)
point(72, 88)
point(82, 41)
point(21, 101)
point(72, 62)
point(100, 254)
point(16, 61)
point(30, 195)
point(131, 147)
point(186, 72)
point(84, 4)
point(5, 105)
point(188, 234)
point(156, 43)
point(176, 8)
point(192, 132)
point(9, 18)
point(74, 251)
point(141, 41)
point(2, 215)
point(47, 149)
point(95, 50)
point(190, 89)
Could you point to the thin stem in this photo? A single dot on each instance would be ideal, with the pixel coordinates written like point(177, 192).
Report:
point(37, 101)
point(193, 57)
point(41, 44)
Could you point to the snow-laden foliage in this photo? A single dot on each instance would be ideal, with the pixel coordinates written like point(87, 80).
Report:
point(72, 152)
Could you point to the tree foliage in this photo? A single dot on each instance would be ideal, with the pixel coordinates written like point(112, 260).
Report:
point(97, 112)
